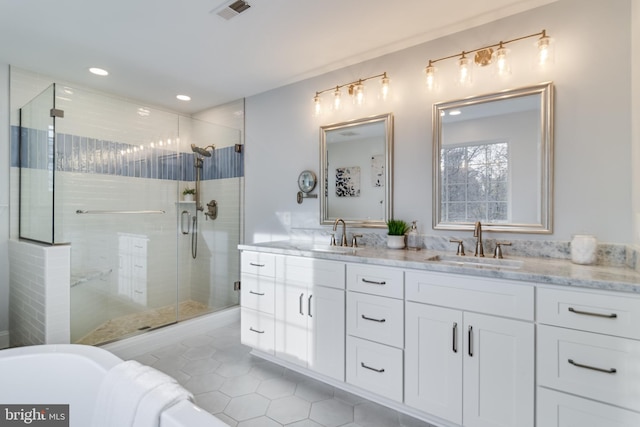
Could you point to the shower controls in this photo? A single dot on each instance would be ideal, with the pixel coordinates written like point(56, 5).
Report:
point(212, 211)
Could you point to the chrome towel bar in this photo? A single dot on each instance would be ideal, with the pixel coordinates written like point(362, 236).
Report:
point(80, 211)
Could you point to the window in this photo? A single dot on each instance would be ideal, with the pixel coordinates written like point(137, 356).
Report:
point(476, 182)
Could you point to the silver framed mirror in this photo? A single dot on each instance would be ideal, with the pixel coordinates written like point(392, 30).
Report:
point(493, 161)
point(356, 171)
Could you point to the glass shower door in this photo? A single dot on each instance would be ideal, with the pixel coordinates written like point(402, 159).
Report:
point(117, 181)
point(37, 137)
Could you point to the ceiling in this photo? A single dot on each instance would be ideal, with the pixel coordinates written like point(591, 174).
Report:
point(156, 49)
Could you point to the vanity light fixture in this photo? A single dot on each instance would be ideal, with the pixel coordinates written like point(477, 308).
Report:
point(355, 89)
point(486, 55)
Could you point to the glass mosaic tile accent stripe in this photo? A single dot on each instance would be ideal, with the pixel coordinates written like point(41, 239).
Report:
point(89, 155)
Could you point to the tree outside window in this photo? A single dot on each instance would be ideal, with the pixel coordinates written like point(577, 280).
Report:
point(475, 182)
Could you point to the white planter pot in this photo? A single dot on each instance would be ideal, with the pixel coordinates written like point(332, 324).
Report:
point(395, 242)
point(188, 197)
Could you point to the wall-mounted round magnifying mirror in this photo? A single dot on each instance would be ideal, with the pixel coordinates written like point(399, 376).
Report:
point(306, 182)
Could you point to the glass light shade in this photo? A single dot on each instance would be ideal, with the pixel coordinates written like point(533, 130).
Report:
point(503, 65)
point(317, 105)
point(545, 54)
point(358, 93)
point(430, 72)
point(384, 87)
point(337, 99)
point(464, 70)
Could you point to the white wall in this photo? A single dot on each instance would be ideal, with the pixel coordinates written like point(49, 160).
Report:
point(592, 76)
point(4, 205)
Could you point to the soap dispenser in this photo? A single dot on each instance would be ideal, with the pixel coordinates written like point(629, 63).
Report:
point(414, 242)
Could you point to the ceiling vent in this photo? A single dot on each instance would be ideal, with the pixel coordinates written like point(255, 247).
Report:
point(231, 9)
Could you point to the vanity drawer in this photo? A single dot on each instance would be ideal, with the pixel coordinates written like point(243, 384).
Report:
point(595, 366)
point(604, 313)
point(375, 367)
point(258, 293)
point(257, 330)
point(376, 318)
point(468, 293)
point(258, 263)
point(556, 409)
point(383, 281)
point(311, 271)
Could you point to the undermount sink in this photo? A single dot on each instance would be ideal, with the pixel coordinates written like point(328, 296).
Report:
point(478, 262)
point(334, 249)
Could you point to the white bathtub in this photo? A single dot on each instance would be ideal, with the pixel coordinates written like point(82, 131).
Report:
point(71, 374)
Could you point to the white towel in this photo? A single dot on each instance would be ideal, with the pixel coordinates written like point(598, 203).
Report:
point(133, 394)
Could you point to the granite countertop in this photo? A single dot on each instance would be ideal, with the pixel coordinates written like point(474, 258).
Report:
point(537, 270)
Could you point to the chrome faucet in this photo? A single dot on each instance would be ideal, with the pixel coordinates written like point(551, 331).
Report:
point(477, 233)
point(343, 241)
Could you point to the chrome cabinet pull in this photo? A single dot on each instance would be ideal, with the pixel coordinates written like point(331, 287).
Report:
point(470, 350)
point(371, 369)
point(373, 319)
point(373, 282)
point(454, 346)
point(593, 368)
point(300, 304)
point(256, 293)
point(309, 306)
point(255, 330)
point(589, 313)
point(256, 265)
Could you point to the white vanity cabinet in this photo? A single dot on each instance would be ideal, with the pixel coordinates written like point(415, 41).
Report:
point(309, 314)
point(588, 359)
point(375, 329)
point(257, 299)
point(469, 353)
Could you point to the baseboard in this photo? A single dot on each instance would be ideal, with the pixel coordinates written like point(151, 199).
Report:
point(153, 340)
point(4, 339)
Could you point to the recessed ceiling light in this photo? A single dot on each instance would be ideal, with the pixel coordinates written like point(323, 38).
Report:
point(183, 97)
point(98, 71)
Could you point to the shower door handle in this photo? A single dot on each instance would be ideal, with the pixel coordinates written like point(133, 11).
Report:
point(182, 222)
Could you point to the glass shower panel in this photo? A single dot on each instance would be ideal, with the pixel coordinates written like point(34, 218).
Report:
point(117, 180)
point(37, 137)
point(208, 252)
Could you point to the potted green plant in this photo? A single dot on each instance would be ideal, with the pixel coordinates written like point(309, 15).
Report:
point(395, 236)
point(188, 194)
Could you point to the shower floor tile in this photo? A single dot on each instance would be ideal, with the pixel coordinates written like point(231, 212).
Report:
point(131, 324)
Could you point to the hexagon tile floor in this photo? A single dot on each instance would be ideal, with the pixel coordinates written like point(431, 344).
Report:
point(246, 391)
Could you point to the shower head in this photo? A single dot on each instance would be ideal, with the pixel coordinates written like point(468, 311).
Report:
point(203, 151)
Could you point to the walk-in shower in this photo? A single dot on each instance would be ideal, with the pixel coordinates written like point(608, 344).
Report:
point(105, 176)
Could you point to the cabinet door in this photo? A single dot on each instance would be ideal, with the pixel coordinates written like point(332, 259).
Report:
point(498, 366)
point(326, 352)
point(433, 360)
point(291, 323)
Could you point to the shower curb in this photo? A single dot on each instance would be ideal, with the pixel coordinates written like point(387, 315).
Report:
point(153, 340)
